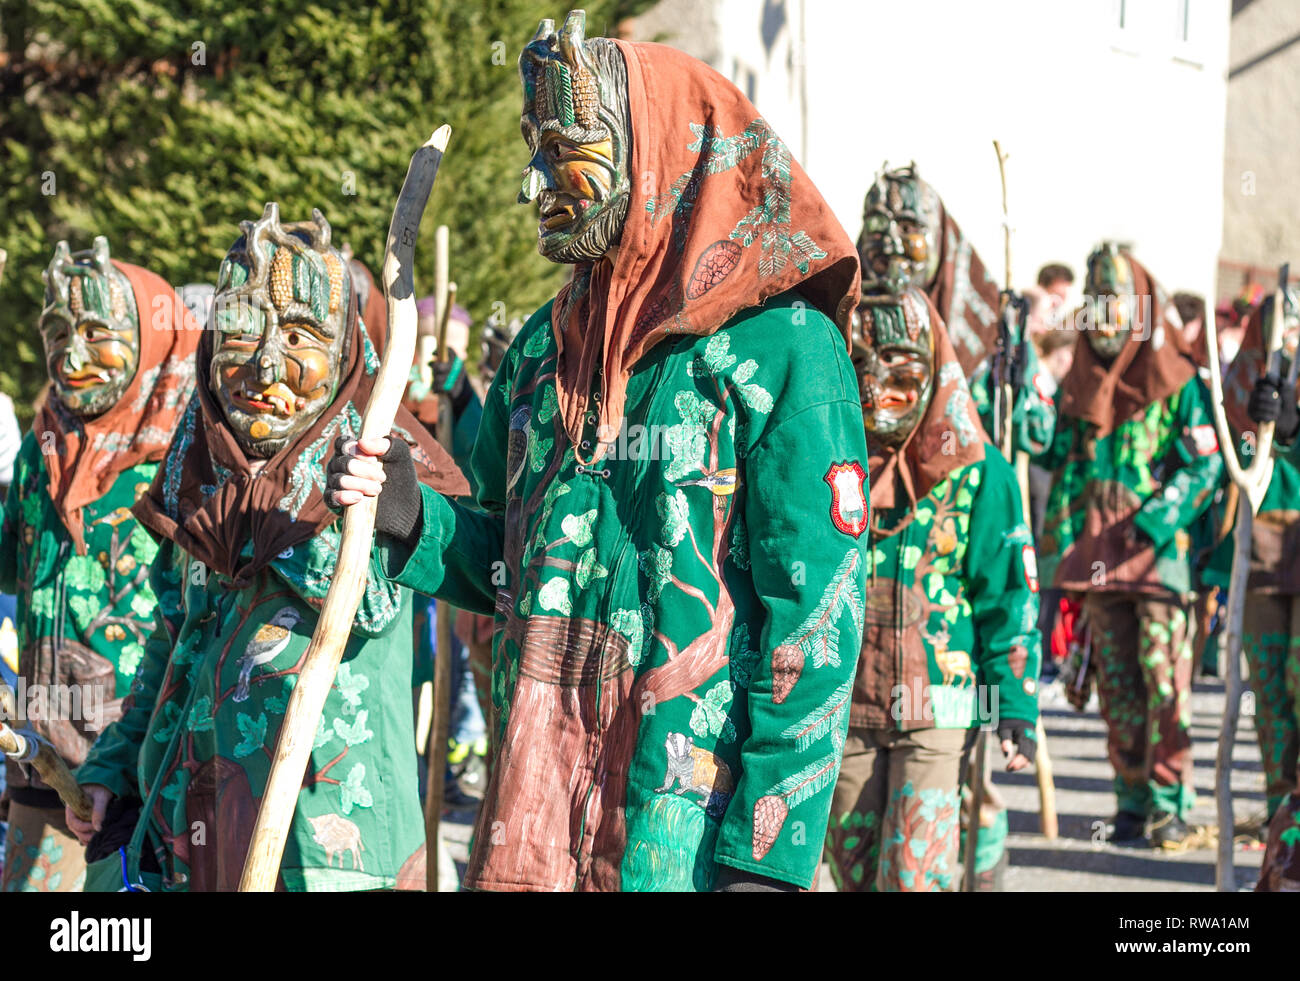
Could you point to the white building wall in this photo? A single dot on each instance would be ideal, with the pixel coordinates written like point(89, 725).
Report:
point(1111, 132)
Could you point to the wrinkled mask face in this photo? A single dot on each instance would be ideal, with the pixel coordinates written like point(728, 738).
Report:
point(280, 317)
point(91, 329)
point(1109, 289)
point(899, 244)
point(576, 124)
point(893, 353)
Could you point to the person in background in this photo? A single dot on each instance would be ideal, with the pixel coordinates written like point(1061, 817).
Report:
point(119, 351)
point(1055, 279)
point(467, 733)
point(1136, 462)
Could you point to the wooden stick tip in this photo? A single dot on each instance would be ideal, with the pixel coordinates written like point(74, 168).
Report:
point(439, 138)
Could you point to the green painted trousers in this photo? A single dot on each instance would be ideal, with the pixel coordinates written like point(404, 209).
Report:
point(895, 815)
point(1142, 647)
point(1270, 637)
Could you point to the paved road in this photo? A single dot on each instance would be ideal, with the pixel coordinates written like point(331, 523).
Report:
point(1076, 861)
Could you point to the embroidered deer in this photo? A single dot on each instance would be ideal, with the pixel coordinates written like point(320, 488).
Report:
point(953, 664)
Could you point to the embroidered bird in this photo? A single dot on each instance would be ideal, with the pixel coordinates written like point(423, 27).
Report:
point(271, 638)
point(721, 482)
point(115, 518)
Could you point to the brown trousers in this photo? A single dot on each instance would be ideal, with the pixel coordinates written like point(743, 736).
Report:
point(894, 817)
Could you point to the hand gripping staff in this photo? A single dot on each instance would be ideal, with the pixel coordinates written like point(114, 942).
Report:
point(307, 701)
point(1252, 482)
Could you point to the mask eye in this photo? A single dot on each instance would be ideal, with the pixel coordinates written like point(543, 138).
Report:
point(914, 245)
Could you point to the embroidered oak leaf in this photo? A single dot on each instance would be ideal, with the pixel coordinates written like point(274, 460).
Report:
point(351, 685)
point(253, 732)
point(588, 569)
point(657, 564)
point(82, 608)
point(201, 715)
point(675, 514)
point(171, 715)
point(710, 715)
point(356, 733)
point(84, 572)
point(742, 656)
point(578, 527)
point(740, 543)
point(631, 625)
point(129, 657)
point(756, 397)
point(686, 445)
point(175, 787)
point(554, 595)
point(323, 734)
point(352, 791)
point(538, 450)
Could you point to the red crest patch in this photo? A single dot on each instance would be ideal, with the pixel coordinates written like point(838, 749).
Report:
point(848, 501)
point(1205, 440)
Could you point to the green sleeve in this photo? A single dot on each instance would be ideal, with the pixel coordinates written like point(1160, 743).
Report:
point(459, 555)
point(1002, 588)
point(1034, 418)
point(1055, 451)
point(12, 524)
point(809, 577)
point(113, 759)
point(1189, 490)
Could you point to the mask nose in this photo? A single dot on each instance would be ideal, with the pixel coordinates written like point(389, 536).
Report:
point(268, 364)
point(893, 242)
point(77, 355)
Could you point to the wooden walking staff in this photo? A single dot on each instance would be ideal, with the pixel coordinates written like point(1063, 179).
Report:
point(444, 293)
point(1251, 483)
point(26, 747)
point(302, 716)
point(1047, 819)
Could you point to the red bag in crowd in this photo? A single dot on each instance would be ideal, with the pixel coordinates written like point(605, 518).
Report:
point(1063, 630)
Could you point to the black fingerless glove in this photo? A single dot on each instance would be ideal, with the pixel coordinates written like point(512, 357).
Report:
point(1271, 401)
point(399, 510)
point(450, 377)
point(1023, 737)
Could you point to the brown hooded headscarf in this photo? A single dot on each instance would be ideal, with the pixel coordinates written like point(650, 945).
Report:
point(94, 452)
point(1145, 371)
point(731, 220)
point(949, 434)
point(208, 501)
point(965, 296)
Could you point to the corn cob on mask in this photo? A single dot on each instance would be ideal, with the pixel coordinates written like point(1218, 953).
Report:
point(91, 329)
point(279, 320)
point(576, 124)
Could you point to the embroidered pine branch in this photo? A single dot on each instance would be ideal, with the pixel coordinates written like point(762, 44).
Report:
point(770, 810)
point(822, 719)
point(818, 636)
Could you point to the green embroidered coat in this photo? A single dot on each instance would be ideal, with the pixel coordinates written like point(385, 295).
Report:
point(204, 713)
point(678, 625)
point(1275, 533)
point(95, 610)
point(1156, 471)
point(951, 637)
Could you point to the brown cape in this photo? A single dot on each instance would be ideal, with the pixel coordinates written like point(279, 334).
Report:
point(1145, 371)
point(207, 500)
point(735, 221)
point(949, 434)
point(94, 452)
point(966, 297)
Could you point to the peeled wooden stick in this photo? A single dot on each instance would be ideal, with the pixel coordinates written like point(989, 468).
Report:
point(334, 627)
point(24, 747)
point(1252, 482)
point(436, 750)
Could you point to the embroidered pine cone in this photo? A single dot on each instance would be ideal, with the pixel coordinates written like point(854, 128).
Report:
point(787, 665)
point(769, 815)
